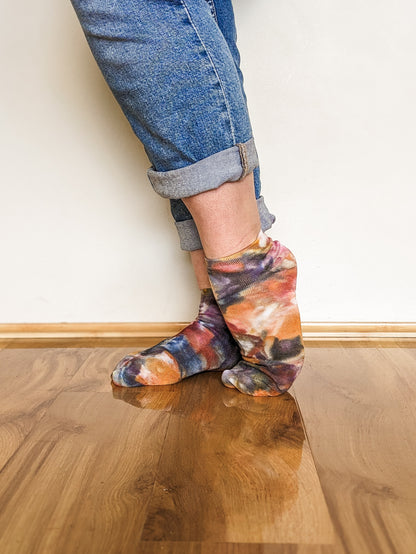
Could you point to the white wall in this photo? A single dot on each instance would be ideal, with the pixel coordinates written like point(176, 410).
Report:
point(331, 88)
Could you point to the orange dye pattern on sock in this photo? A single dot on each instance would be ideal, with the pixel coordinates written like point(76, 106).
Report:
point(256, 292)
point(204, 345)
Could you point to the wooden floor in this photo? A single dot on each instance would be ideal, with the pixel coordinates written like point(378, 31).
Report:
point(196, 468)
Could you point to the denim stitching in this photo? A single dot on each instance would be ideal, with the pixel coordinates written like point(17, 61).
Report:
point(213, 67)
point(244, 162)
point(213, 9)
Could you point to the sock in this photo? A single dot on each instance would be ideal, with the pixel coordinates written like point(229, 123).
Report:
point(205, 344)
point(255, 290)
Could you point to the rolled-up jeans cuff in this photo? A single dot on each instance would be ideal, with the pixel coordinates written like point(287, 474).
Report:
point(209, 173)
point(189, 236)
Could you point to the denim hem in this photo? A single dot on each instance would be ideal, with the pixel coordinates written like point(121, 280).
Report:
point(189, 236)
point(209, 173)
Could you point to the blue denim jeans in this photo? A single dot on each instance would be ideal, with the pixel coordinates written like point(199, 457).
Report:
point(174, 68)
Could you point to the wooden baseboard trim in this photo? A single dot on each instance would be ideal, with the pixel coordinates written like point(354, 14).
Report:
point(312, 331)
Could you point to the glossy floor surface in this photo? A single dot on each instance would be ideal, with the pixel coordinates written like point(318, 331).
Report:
point(196, 468)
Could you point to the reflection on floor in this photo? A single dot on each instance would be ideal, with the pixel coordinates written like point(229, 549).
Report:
point(196, 468)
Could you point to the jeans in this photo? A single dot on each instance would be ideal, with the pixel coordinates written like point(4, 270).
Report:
point(174, 68)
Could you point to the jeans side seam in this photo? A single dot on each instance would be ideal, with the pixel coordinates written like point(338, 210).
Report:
point(244, 162)
point(213, 10)
point(208, 173)
point(183, 2)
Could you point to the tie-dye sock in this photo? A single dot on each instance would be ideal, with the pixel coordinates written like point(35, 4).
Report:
point(205, 344)
point(255, 290)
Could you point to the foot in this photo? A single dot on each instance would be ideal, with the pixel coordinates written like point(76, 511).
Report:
point(204, 345)
point(255, 290)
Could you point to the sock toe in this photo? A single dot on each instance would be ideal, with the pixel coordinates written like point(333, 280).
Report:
point(124, 374)
point(206, 344)
point(229, 379)
point(250, 380)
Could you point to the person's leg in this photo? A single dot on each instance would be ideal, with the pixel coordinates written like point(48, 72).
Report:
point(173, 74)
point(200, 269)
point(204, 345)
point(255, 287)
point(173, 66)
point(163, 60)
point(226, 217)
point(254, 283)
point(175, 78)
point(223, 13)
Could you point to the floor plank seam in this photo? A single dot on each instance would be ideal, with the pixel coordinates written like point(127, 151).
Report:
point(149, 502)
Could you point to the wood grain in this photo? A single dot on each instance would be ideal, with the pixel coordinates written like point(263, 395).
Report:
point(83, 480)
point(196, 468)
point(161, 547)
point(95, 373)
point(246, 473)
point(4, 343)
point(132, 343)
point(358, 405)
point(156, 331)
point(89, 330)
point(30, 381)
